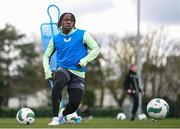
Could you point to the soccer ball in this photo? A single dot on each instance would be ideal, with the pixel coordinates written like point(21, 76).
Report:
point(121, 116)
point(158, 108)
point(142, 116)
point(70, 118)
point(25, 116)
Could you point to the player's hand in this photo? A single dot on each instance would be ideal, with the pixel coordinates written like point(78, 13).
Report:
point(53, 75)
point(82, 63)
point(79, 65)
point(129, 91)
point(142, 93)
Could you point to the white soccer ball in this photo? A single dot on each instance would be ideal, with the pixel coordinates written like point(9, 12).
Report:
point(121, 116)
point(25, 116)
point(158, 108)
point(142, 116)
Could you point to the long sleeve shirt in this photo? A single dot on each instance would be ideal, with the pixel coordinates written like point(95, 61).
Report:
point(131, 82)
point(94, 51)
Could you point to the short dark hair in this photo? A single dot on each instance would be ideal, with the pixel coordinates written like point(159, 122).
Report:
point(62, 16)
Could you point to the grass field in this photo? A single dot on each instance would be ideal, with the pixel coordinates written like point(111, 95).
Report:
point(94, 123)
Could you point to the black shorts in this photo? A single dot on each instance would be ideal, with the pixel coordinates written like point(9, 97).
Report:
point(73, 81)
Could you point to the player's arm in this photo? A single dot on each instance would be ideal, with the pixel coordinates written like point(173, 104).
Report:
point(46, 58)
point(138, 86)
point(93, 47)
point(127, 84)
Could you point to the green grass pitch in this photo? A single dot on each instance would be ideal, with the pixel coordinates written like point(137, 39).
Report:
point(94, 123)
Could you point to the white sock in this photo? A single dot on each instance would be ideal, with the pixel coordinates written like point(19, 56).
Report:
point(60, 114)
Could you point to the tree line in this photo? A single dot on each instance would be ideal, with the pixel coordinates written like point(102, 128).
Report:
point(21, 70)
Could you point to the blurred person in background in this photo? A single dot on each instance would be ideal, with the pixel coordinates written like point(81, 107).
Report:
point(75, 49)
point(132, 88)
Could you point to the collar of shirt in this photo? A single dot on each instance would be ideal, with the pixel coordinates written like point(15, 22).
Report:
point(71, 31)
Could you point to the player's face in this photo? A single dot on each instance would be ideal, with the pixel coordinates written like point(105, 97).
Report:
point(67, 23)
point(134, 68)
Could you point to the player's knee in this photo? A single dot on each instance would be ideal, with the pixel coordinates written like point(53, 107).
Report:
point(60, 83)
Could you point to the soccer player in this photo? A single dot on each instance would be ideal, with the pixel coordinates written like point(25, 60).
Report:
point(75, 49)
point(132, 88)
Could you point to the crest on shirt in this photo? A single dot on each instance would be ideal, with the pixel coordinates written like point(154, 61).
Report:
point(67, 39)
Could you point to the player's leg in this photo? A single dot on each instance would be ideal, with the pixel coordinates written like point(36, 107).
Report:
point(75, 97)
point(60, 81)
point(135, 105)
point(75, 92)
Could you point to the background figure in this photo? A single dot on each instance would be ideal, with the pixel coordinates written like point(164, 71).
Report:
point(132, 88)
point(75, 49)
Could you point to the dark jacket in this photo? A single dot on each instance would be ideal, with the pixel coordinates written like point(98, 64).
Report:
point(131, 82)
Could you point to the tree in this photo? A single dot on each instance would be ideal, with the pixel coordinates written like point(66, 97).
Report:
point(156, 48)
point(8, 37)
point(119, 54)
point(20, 71)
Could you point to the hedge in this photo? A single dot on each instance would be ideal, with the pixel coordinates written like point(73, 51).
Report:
point(46, 112)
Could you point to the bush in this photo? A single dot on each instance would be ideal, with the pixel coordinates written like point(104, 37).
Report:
point(46, 112)
point(6, 112)
point(39, 112)
point(89, 98)
point(105, 112)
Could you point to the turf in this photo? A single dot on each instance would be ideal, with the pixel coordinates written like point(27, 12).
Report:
point(94, 123)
